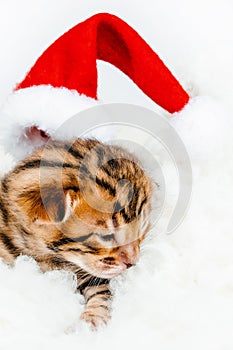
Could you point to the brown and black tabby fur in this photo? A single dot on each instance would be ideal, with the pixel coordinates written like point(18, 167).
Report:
point(81, 206)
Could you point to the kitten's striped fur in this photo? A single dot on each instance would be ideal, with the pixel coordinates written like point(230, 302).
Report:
point(81, 206)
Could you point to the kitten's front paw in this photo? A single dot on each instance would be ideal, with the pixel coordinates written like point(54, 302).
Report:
point(96, 317)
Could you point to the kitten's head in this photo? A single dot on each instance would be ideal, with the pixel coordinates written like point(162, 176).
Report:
point(103, 244)
point(95, 209)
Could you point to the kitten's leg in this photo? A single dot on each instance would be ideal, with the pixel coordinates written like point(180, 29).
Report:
point(98, 301)
point(95, 290)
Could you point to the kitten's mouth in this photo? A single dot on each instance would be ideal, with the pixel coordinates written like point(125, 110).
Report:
point(100, 268)
point(111, 271)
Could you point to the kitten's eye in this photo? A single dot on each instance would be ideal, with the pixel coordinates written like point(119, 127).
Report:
point(107, 238)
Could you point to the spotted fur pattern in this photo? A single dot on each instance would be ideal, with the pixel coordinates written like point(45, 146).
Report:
point(81, 206)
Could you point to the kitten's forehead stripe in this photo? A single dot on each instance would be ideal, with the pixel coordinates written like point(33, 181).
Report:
point(74, 152)
point(106, 185)
point(125, 216)
point(106, 170)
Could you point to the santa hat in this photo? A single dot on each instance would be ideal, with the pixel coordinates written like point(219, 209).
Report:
point(63, 81)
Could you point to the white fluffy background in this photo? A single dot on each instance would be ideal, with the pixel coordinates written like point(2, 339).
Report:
point(180, 296)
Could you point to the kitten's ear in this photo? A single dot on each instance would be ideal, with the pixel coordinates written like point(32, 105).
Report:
point(49, 204)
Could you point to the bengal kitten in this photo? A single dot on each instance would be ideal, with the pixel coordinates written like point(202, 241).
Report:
point(81, 206)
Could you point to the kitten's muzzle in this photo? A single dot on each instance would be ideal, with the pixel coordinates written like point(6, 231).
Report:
point(129, 255)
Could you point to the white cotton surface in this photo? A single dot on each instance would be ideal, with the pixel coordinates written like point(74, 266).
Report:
point(180, 295)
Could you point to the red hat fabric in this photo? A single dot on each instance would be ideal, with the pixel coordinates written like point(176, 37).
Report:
point(70, 62)
point(64, 81)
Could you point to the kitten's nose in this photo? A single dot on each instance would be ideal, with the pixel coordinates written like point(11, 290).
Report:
point(128, 256)
point(128, 265)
